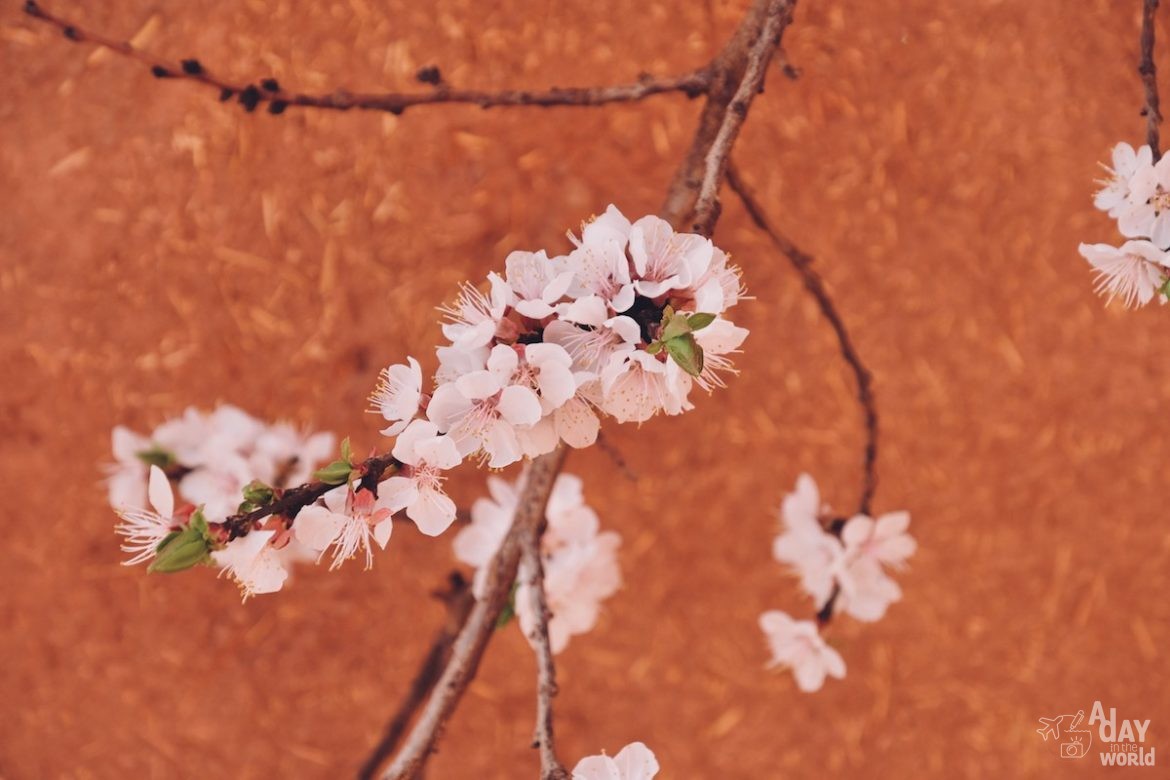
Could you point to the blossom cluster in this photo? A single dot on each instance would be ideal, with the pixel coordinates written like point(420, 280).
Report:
point(580, 563)
point(211, 460)
point(1137, 194)
point(844, 562)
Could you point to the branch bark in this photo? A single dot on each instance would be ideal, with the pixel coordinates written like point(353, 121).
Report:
point(1149, 73)
point(268, 92)
point(546, 673)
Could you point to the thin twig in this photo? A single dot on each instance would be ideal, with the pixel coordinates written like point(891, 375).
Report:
point(469, 646)
point(776, 19)
point(606, 445)
point(1149, 72)
point(543, 737)
point(269, 92)
point(803, 263)
point(290, 502)
point(459, 600)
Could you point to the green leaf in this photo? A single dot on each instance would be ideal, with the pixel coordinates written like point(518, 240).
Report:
point(687, 353)
point(181, 550)
point(346, 454)
point(673, 327)
point(157, 456)
point(654, 347)
point(335, 473)
point(509, 610)
point(256, 492)
point(1165, 288)
point(700, 320)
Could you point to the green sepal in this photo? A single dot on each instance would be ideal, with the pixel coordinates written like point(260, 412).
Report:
point(346, 453)
point(182, 550)
point(700, 320)
point(687, 353)
point(673, 327)
point(157, 456)
point(654, 347)
point(336, 473)
point(257, 493)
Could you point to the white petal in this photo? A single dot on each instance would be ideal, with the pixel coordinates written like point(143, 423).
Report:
point(316, 527)
point(519, 405)
point(382, 532)
point(478, 385)
point(636, 762)
point(397, 493)
point(433, 512)
point(161, 496)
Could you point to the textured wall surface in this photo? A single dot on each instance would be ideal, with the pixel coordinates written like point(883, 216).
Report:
point(159, 250)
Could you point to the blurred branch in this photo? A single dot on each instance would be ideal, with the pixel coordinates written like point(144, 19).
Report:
point(1149, 72)
point(803, 263)
point(459, 600)
point(546, 673)
point(269, 92)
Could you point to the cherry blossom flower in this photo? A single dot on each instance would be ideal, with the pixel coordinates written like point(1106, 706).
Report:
point(1134, 272)
point(665, 260)
point(218, 485)
point(797, 645)
point(804, 545)
point(398, 395)
point(419, 490)
point(637, 385)
point(866, 590)
point(536, 282)
point(347, 521)
point(1126, 163)
point(476, 319)
point(144, 530)
point(633, 762)
point(253, 563)
point(580, 563)
point(482, 409)
point(718, 340)
point(869, 545)
point(1146, 211)
point(601, 271)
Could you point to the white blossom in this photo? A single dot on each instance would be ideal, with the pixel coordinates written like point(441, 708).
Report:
point(143, 530)
point(633, 762)
point(253, 563)
point(398, 395)
point(419, 490)
point(1134, 272)
point(798, 645)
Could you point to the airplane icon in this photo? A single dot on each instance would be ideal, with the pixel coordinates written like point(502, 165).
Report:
point(1078, 746)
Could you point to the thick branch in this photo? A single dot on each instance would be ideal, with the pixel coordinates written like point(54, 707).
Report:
point(473, 639)
point(269, 92)
point(1149, 72)
point(813, 282)
point(459, 600)
point(546, 673)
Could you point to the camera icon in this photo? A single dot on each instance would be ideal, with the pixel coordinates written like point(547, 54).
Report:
point(1074, 749)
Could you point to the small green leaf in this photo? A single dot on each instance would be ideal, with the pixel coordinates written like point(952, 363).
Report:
point(180, 551)
point(256, 492)
point(1165, 288)
point(509, 610)
point(700, 320)
point(346, 454)
point(335, 473)
point(688, 354)
point(654, 347)
point(157, 456)
point(674, 327)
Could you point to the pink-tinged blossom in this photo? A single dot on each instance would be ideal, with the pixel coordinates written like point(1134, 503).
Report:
point(1134, 272)
point(476, 318)
point(425, 455)
point(720, 287)
point(1126, 163)
point(1146, 211)
point(804, 545)
point(869, 546)
point(143, 530)
point(536, 282)
point(718, 340)
point(665, 260)
point(481, 410)
point(347, 522)
point(798, 645)
point(633, 762)
point(253, 563)
point(398, 395)
point(580, 562)
point(218, 485)
point(283, 456)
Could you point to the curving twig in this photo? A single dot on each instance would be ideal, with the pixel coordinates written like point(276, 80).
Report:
point(1149, 72)
point(269, 92)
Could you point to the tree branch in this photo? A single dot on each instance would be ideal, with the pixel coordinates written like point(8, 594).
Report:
point(813, 282)
point(477, 631)
point(1149, 73)
point(269, 92)
point(546, 673)
point(459, 600)
point(290, 502)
